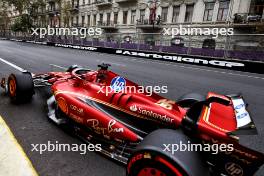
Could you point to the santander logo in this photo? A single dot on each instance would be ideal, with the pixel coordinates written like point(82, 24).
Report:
point(133, 108)
point(150, 113)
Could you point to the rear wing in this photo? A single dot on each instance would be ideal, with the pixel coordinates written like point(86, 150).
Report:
point(228, 114)
point(245, 124)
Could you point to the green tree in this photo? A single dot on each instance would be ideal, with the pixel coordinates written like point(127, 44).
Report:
point(20, 5)
point(4, 18)
point(28, 11)
point(22, 24)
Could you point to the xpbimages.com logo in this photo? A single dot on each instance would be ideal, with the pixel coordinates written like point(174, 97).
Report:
point(119, 85)
point(188, 30)
point(204, 147)
point(59, 147)
point(82, 32)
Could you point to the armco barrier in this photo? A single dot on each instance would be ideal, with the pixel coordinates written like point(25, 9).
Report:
point(217, 53)
point(239, 65)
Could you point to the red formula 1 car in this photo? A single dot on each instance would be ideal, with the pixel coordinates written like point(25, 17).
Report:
point(194, 136)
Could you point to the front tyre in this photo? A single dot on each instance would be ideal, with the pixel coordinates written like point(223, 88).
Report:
point(20, 87)
point(152, 158)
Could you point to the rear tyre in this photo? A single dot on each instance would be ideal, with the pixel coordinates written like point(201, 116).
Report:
point(20, 87)
point(152, 158)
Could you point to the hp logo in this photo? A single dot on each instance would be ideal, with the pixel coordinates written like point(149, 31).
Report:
point(118, 84)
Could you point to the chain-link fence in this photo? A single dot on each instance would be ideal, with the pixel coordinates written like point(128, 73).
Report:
point(230, 47)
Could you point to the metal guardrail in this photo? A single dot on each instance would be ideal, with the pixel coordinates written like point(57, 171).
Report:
point(224, 47)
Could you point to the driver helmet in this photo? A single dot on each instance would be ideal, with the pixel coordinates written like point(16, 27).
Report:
point(71, 68)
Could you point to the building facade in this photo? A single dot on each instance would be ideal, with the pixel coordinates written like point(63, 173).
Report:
point(126, 20)
point(143, 21)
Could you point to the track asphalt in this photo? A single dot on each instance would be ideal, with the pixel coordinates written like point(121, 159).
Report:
point(29, 122)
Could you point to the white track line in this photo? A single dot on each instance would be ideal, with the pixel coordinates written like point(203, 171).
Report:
point(12, 65)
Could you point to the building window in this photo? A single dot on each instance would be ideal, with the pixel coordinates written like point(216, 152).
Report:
point(125, 17)
point(108, 15)
point(223, 10)
point(256, 8)
point(208, 12)
point(73, 4)
point(83, 2)
point(94, 20)
point(142, 15)
point(51, 22)
point(133, 16)
point(77, 21)
point(88, 20)
point(176, 13)
point(115, 18)
point(189, 13)
point(101, 18)
point(83, 18)
point(164, 14)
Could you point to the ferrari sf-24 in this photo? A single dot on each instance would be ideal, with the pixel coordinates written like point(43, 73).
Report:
point(142, 130)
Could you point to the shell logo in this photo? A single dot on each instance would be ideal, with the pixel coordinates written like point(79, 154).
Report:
point(63, 105)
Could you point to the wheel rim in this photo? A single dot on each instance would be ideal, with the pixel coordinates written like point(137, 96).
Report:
point(62, 105)
point(12, 87)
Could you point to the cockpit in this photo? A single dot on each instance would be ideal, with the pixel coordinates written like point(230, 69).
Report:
point(99, 76)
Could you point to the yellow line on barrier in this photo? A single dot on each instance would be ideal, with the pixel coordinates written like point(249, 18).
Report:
point(5, 133)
